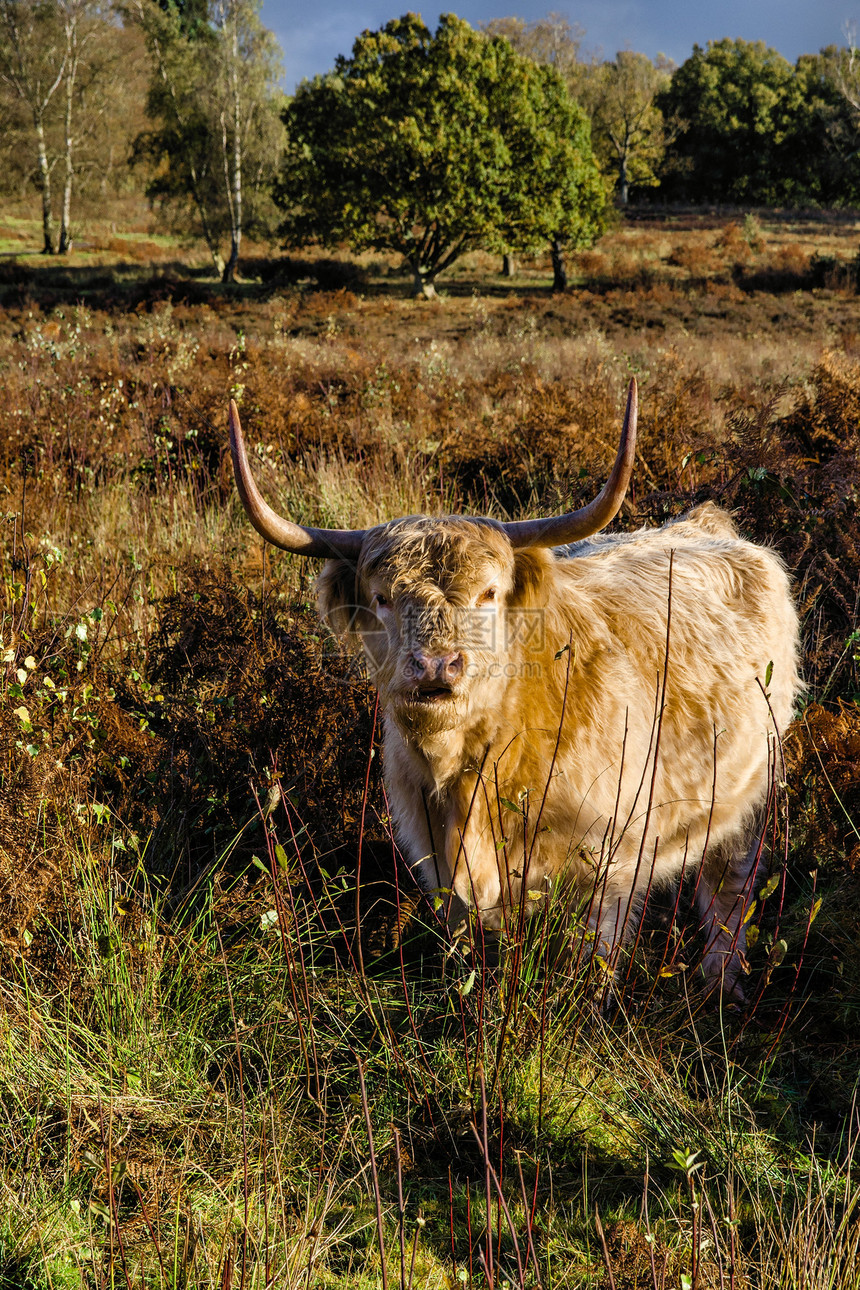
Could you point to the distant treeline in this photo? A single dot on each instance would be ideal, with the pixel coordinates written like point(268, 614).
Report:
point(181, 100)
point(736, 123)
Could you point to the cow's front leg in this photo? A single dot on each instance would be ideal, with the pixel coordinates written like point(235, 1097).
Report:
point(473, 863)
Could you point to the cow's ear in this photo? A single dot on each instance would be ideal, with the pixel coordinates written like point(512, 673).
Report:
point(340, 597)
point(532, 569)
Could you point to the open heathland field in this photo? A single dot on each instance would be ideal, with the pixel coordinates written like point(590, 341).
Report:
point(238, 1049)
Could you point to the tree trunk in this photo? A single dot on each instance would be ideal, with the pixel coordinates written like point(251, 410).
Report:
point(45, 185)
point(235, 176)
point(229, 274)
point(25, 60)
point(509, 267)
point(559, 272)
point(425, 288)
point(623, 187)
point(65, 243)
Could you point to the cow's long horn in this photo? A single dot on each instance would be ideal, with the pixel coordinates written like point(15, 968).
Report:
point(344, 544)
point(558, 529)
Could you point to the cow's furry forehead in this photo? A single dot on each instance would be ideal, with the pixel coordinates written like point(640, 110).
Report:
point(449, 554)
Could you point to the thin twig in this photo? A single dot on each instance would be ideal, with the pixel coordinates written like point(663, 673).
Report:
point(606, 1258)
point(245, 1170)
point(373, 1173)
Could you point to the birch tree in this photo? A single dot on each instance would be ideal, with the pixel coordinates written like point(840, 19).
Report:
point(552, 40)
point(216, 137)
point(82, 28)
point(57, 63)
point(627, 126)
point(33, 60)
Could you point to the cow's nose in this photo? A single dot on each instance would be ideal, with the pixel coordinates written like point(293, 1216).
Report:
point(451, 666)
point(436, 667)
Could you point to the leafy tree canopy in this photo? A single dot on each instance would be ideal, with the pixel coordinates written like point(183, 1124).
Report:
point(824, 159)
point(627, 125)
point(190, 16)
point(435, 145)
point(737, 102)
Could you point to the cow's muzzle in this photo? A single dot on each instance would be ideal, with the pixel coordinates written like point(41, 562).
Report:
point(431, 678)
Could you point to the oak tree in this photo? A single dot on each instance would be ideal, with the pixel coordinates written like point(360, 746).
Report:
point(737, 103)
point(435, 145)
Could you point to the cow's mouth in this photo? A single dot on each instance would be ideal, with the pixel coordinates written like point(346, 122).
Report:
point(429, 695)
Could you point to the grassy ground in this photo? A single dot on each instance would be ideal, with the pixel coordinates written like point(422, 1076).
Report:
point(209, 1078)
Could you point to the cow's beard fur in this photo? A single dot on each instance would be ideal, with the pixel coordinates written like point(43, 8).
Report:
point(420, 720)
point(479, 692)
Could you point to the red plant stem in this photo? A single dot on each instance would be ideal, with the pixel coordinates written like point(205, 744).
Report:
point(310, 889)
point(606, 1258)
point(359, 950)
point(543, 1005)
point(152, 1235)
point(554, 758)
point(469, 1231)
point(696, 1236)
point(660, 715)
point(279, 909)
point(267, 1266)
point(650, 1238)
point(245, 1172)
point(499, 1182)
point(529, 1222)
point(401, 1209)
point(227, 1274)
point(500, 850)
point(412, 1259)
point(733, 1254)
point(376, 1193)
point(487, 1169)
point(642, 917)
point(671, 924)
point(503, 1206)
point(461, 849)
point(710, 818)
point(713, 1224)
point(114, 1218)
point(787, 1008)
point(406, 998)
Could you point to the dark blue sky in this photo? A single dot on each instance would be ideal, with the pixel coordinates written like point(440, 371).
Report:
point(313, 32)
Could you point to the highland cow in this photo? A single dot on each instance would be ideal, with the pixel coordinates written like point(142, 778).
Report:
point(599, 713)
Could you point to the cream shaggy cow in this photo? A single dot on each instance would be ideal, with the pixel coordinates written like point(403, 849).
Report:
point(600, 713)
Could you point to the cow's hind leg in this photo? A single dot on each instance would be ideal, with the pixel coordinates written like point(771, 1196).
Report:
point(723, 896)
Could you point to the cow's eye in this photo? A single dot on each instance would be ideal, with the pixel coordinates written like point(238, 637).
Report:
point(488, 596)
point(381, 601)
